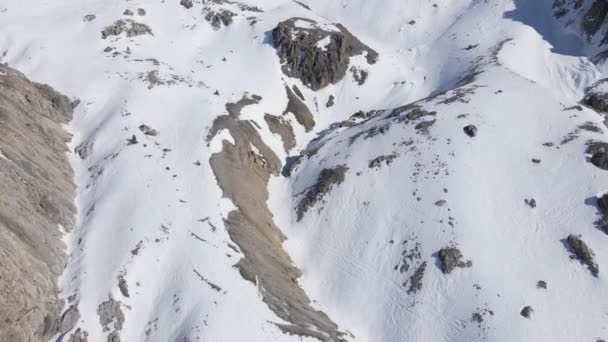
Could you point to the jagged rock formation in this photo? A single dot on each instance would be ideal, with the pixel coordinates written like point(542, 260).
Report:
point(451, 258)
point(36, 194)
point(130, 27)
point(315, 55)
point(243, 176)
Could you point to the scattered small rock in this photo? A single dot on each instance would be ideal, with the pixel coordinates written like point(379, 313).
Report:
point(89, 17)
point(541, 284)
point(69, 319)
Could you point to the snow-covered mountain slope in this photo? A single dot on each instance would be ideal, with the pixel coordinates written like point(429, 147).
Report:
point(367, 171)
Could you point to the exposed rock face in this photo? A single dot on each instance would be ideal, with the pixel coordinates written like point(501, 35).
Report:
point(597, 101)
point(128, 26)
point(283, 128)
point(111, 318)
point(318, 56)
point(299, 110)
point(326, 181)
point(243, 176)
point(36, 195)
point(186, 3)
point(595, 17)
point(583, 253)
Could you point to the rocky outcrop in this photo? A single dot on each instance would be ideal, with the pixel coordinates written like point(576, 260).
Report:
point(594, 18)
point(451, 258)
point(243, 172)
point(36, 196)
point(128, 26)
point(325, 182)
point(111, 318)
point(299, 109)
point(315, 54)
point(597, 101)
point(282, 127)
point(584, 254)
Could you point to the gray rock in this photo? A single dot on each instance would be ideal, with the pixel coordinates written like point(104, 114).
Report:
point(530, 202)
point(541, 284)
point(526, 312)
point(470, 130)
point(110, 313)
point(78, 336)
point(123, 286)
point(128, 26)
point(377, 162)
point(440, 203)
point(325, 182)
point(600, 159)
point(583, 253)
point(37, 193)
point(132, 140)
point(69, 319)
point(299, 110)
point(186, 3)
point(330, 101)
point(89, 17)
point(451, 258)
point(128, 12)
point(283, 128)
point(317, 66)
point(141, 12)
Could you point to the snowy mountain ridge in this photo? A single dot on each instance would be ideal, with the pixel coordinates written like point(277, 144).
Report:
point(340, 171)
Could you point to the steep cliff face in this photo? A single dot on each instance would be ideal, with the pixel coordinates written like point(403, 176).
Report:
point(36, 195)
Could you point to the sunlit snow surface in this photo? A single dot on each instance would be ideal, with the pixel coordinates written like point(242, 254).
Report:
point(153, 211)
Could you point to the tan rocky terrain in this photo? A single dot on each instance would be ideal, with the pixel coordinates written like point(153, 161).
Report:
point(36, 196)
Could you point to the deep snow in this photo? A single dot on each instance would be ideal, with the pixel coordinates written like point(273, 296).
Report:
point(155, 216)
